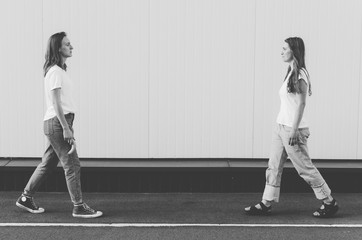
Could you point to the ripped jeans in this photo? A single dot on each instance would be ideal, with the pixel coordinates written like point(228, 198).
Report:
point(300, 159)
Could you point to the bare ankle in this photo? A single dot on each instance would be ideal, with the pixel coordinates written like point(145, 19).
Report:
point(266, 202)
point(328, 200)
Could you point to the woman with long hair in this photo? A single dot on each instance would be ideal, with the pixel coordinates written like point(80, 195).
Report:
point(58, 128)
point(291, 135)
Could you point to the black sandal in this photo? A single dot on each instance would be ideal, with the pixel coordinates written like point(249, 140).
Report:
point(256, 211)
point(327, 210)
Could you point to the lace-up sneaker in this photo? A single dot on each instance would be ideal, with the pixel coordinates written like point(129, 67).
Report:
point(27, 203)
point(84, 211)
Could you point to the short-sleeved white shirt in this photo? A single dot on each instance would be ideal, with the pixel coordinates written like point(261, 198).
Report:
point(288, 106)
point(55, 78)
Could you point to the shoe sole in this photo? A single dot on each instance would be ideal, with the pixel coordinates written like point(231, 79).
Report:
point(98, 214)
point(258, 213)
point(28, 209)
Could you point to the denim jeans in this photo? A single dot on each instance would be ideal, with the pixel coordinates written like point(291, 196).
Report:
point(300, 159)
point(57, 149)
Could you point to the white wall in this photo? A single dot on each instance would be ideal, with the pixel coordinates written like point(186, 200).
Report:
point(332, 34)
point(111, 69)
point(182, 78)
point(21, 82)
point(201, 78)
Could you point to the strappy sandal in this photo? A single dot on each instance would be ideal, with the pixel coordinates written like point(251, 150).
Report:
point(327, 210)
point(256, 211)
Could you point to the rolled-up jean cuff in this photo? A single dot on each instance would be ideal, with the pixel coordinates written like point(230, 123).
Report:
point(271, 193)
point(322, 192)
point(28, 193)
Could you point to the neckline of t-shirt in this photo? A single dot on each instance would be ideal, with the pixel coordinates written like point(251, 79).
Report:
point(56, 65)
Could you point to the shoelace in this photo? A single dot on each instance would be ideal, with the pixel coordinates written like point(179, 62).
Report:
point(33, 203)
point(87, 208)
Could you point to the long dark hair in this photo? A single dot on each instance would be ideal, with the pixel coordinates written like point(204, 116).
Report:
point(52, 55)
point(296, 45)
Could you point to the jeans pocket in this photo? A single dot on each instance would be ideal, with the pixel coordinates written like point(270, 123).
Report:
point(57, 126)
point(304, 132)
point(303, 135)
point(48, 127)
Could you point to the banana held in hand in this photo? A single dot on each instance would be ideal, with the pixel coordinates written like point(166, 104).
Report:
point(74, 146)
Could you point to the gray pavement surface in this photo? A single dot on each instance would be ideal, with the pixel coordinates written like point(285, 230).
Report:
point(180, 233)
point(180, 208)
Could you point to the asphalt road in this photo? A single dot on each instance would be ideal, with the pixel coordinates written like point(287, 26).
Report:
point(188, 233)
point(181, 208)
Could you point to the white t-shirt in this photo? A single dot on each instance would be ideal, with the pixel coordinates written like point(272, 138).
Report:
point(55, 78)
point(288, 105)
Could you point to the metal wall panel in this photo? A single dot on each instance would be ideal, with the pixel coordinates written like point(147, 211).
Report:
point(335, 65)
point(201, 79)
point(331, 30)
point(21, 81)
point(359, 140)
point(185, 79)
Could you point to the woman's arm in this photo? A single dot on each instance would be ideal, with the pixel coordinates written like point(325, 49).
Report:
point(301, 102)
point(67, 133)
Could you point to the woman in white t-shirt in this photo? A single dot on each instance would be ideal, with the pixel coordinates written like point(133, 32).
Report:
point(58, 128)
point(291, 135)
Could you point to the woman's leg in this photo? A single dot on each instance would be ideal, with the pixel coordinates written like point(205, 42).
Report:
point(70, 162)
point(71, 166)
point(306, 169)
point(273, 174)
point(299, 156)
point(278, 157)
point(48, 164)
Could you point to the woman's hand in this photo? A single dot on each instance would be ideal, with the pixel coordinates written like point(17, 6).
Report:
point(67, 133)
point(68, 136)
point(72, 149)
point(294, 137)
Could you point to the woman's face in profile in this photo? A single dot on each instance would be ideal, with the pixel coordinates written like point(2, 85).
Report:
point(66, 48)
point(287, 54)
